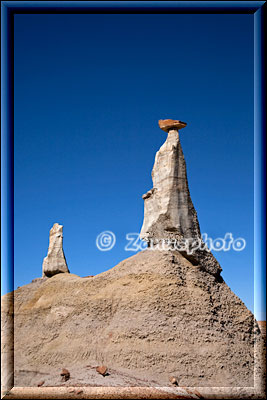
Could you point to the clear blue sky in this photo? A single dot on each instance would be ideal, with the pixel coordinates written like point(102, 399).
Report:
point(89, 90)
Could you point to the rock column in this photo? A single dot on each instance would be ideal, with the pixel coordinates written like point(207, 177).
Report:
point(55, 262)
point(169, 214)
point(168, 206)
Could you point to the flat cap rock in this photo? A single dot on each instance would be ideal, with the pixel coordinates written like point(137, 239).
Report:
point(168, 124)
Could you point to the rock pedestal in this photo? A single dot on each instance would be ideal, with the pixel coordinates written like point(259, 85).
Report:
point(55, 262)
point(168, 206)
point(169, 214)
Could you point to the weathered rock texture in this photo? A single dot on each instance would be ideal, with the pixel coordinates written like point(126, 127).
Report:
point(7, 343)
point(153, 316)
point(168, 206)
point(55, 262)
point(169, 213)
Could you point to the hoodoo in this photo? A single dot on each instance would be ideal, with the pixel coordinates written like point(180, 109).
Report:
point(55, 261)
point(169, 214)
point(169, 210)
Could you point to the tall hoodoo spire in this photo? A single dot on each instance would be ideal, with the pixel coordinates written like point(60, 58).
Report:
point(168, 206)
point(169, 213)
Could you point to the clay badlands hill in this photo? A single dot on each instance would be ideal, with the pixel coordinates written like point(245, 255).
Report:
point(156, 315)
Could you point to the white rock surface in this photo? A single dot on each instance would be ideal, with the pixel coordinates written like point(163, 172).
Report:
point(169, 214)
point(168, 206)
point(55, 262)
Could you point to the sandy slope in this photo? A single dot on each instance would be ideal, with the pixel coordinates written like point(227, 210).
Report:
point(151, 316)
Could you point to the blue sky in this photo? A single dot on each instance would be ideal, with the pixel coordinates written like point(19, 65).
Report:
point(89, 90)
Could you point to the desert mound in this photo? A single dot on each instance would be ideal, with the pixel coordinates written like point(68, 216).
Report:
point(154, 315)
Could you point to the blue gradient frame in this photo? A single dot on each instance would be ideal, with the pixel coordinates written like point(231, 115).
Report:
point(259, 163)
point(9, 8)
